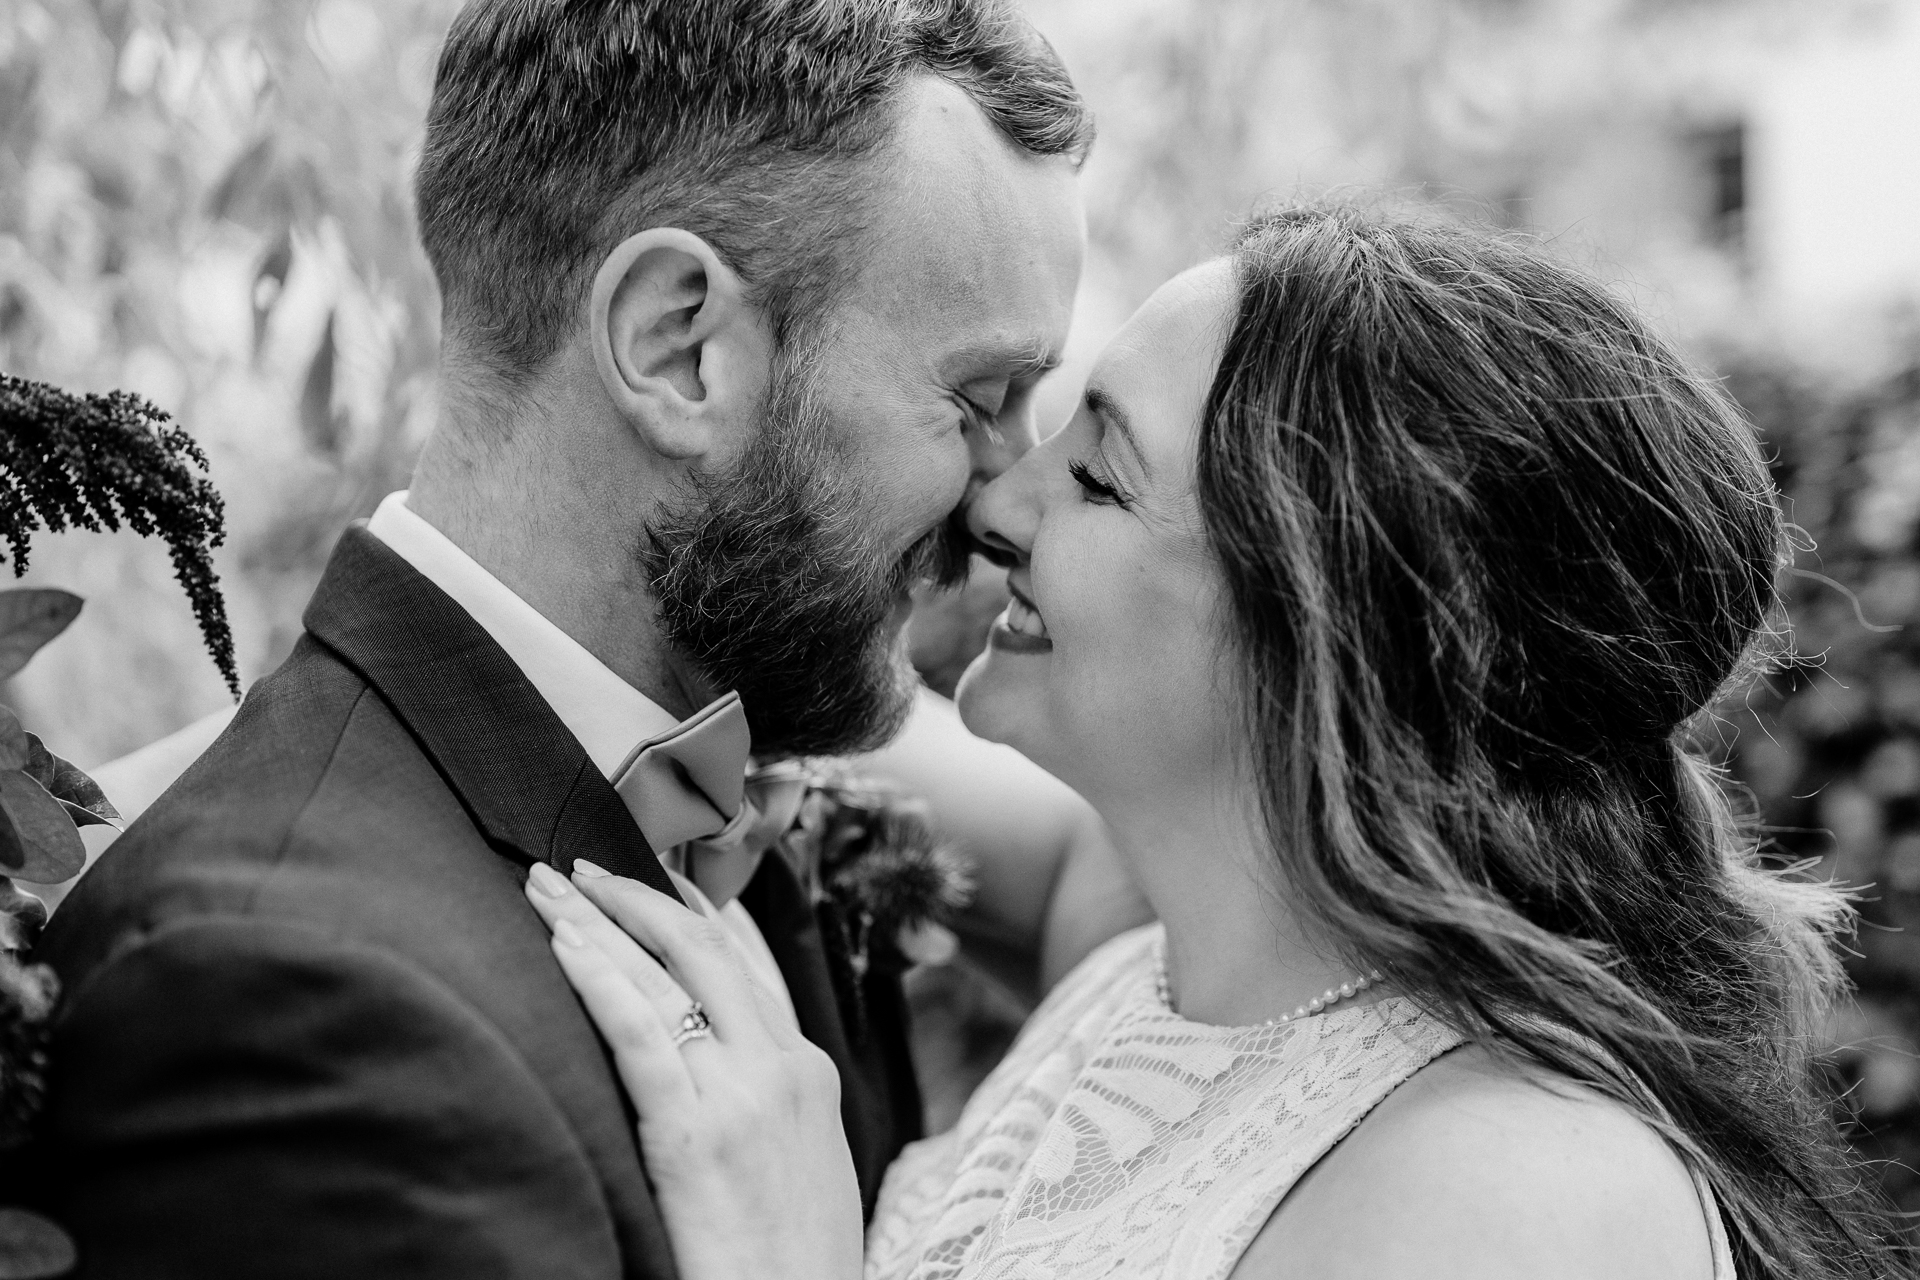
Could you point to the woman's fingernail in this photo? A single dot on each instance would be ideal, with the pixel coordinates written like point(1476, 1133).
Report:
point(581, 867)
point(568, 936)
point(548, 881)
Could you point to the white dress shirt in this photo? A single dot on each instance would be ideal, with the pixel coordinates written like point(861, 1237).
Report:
point(608, 715)
point(604, 712)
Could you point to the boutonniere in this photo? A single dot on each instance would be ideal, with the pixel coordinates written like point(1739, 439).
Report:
point(883, 883)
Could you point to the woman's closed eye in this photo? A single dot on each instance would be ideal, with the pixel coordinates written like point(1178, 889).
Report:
point(1096, 487)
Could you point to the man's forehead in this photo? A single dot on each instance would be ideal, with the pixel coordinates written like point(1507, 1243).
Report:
point(977, 296)
point(956, 198)
point(943, 145)
point(1019, 224)
point(973, 248)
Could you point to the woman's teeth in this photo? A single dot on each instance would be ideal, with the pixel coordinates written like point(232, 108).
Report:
point(1022, 619)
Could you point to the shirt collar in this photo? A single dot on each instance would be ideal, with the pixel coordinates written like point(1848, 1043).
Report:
point(604, 712)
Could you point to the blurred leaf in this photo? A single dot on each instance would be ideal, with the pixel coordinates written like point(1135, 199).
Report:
point(50, 846)
point(84, 817)
point(31, 1248)
point(29, 617)
point(1889, 1080)
point(39, 764)
point(13, 850)
point(28, 994)
point(16, 744)
point(1892, 770)
point(318, 421)
point(252, 168)
point(85, 802)
point(268, 281)
point(23, 914)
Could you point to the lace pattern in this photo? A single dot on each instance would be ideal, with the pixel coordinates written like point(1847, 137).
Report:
point(1118, 1139)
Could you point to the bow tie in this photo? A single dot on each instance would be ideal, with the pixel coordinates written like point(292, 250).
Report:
point(707, 814)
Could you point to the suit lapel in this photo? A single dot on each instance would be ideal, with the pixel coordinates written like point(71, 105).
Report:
point(532, 791)
point(523, 776)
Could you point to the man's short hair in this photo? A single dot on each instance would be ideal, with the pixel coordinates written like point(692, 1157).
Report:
point(560, 127)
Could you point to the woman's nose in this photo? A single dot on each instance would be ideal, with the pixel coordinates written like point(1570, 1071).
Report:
point(1003, 515)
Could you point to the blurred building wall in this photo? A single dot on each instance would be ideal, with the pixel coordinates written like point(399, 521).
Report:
point(1748, 170)
point(1836, 172)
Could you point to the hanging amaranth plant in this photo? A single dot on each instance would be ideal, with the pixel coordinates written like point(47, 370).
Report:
point(98, 461)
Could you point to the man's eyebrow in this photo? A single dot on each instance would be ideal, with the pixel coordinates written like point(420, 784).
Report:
point(1019, 361)
point(1107, 411)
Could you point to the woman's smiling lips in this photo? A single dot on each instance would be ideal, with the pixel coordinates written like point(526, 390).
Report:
point(1020, 629)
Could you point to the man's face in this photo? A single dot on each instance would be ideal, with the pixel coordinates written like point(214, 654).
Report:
point(787, 578)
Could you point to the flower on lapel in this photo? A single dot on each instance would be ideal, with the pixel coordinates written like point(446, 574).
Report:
point(883, 884)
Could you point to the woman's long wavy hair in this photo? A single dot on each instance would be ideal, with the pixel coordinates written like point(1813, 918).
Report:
point(1493, 550)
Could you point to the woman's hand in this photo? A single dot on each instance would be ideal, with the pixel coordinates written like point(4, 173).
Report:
point(739, 1122)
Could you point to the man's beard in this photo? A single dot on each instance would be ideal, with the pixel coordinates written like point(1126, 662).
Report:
point(767, 582)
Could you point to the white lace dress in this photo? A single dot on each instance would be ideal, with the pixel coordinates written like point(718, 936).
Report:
point(1117, 1139)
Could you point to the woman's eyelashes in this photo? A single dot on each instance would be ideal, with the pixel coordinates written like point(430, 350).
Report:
point(1096, 487)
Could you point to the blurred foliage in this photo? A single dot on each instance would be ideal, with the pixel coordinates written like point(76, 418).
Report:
point(1830, 746)
point(206, 202)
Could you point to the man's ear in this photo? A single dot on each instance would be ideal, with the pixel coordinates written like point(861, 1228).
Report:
point(680, 353)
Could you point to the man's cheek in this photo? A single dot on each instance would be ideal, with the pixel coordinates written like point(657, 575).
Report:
point(925, 512)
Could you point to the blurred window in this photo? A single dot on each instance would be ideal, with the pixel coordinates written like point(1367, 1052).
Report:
point(1723, 156)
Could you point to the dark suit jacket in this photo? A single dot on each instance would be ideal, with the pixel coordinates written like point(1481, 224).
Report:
point(312, 1028)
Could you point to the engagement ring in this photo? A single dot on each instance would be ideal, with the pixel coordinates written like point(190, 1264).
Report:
point(694, 1024)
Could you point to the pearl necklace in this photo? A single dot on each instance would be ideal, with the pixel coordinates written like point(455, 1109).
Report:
point(1319, 1004)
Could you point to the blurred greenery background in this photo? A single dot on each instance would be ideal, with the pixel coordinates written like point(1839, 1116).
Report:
point(207, 201)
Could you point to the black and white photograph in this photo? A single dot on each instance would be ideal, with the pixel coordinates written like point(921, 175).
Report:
point(959, 639)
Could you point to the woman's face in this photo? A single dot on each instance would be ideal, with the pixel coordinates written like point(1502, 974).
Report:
point(1106, 670)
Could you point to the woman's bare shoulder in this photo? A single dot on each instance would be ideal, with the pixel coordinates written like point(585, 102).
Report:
point(1473, 1168)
